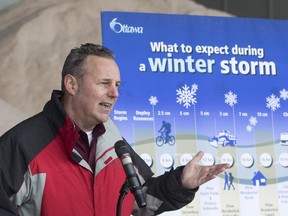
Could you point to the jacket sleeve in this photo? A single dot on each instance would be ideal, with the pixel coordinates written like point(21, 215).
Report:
point(164, 192)
point(4, 212)
point(7, 208)
point(13, 167)
point(9, 177)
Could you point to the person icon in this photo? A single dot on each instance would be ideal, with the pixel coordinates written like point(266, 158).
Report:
point(226, 181)
point(166, 129)
point(231, 179)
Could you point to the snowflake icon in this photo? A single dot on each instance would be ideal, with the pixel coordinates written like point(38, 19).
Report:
point(253, 121)
point(153, 100)
point(230, 98)
point(273, 102)
point(284, 94)
point(187, 95)
point(249, 128)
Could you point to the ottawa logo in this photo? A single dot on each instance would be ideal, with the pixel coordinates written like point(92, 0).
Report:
point(118, 27)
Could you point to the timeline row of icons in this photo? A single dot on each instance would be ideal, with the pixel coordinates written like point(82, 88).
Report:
point(246, 159)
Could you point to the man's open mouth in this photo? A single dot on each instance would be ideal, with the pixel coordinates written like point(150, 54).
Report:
point(107, 105)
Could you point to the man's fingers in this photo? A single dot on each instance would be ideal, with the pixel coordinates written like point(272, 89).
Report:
point(198, 157)
point(219, 168)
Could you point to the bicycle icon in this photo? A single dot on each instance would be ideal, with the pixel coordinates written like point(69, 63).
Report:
point(160, 140)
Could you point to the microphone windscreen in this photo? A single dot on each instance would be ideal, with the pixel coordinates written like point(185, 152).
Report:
point(121, 148)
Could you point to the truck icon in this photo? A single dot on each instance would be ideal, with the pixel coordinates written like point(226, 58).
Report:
point(284, 138)
point(224, 138)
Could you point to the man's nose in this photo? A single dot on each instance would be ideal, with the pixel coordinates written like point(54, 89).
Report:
point(113, 91)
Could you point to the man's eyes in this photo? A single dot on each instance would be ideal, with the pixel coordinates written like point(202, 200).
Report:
point(107, 83)
point(118, 84)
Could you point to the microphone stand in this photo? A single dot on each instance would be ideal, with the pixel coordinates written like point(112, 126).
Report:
point(123, 192)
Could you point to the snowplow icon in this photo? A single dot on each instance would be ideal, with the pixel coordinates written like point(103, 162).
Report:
point(224, 138)
point(284, 138)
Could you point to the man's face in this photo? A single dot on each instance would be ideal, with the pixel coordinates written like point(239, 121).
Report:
point(97, 93)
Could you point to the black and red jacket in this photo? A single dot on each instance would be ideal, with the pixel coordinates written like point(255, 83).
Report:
point(41, 174)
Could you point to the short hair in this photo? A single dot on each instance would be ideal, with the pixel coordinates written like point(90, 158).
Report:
point(76, 58)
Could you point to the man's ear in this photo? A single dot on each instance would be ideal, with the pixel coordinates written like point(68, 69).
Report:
point(70, 84)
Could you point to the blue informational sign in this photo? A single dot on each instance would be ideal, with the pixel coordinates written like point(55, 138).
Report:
point(215, 84)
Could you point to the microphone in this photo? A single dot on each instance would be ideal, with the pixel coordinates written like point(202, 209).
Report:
point(123, 153)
